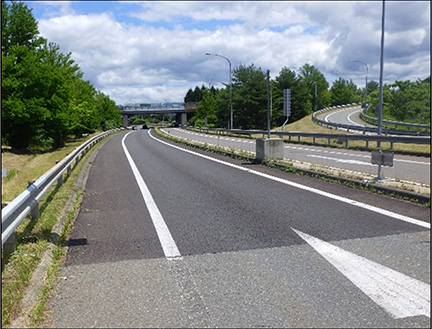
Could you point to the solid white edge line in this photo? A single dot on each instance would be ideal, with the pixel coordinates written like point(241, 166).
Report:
point(355, 123)
point(306, 188)
point(168, 244)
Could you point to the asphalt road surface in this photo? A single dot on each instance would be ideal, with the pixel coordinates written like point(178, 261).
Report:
point(346, 116)
point(405, 167)
point(169, 236)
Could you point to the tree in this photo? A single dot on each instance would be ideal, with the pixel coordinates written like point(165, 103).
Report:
point(249, 97)
point(20, 61)
point(206, 110)
point(300, 98)
point(344, 92)
point(222, 112)
point(44, 98)
point(404, 101)
point(189, 97)
point(19, 27)
point(108, 112)
point(411, 101)
point(311, 75)
point(197, 94)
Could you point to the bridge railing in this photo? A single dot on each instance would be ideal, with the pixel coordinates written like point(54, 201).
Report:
point(27, 202)
point(160, 106)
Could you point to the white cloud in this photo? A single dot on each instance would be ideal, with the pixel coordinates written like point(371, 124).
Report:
point(162, 54)
point(56, 8)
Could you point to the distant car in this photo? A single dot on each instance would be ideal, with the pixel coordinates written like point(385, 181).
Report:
point(144, 126)
point(174, 124)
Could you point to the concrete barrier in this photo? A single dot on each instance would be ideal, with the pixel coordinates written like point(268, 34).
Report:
point(270, 148)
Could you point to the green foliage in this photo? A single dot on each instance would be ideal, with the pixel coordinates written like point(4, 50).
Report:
point(404, 101)
point(310, 75)
point(344, 92)
point(222, 112)
point(44, 99)
point(301, 102)
point(206, 109)
point(196, 95)
point(249, 97)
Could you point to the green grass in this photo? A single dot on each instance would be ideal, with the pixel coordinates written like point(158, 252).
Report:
point(34, 236)
point(23, 166)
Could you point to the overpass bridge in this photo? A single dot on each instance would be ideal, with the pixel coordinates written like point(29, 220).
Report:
point(181, 110)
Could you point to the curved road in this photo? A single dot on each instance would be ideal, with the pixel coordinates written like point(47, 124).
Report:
point(168, 236)
point(347, 116)
point(405, 168)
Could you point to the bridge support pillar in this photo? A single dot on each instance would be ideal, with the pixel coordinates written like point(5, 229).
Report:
point(181, 118)
point(125, 120)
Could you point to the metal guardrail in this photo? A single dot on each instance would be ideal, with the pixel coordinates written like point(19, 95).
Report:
point(341, 137)
point(363, 129)
point(374, 121)
point(27, 202)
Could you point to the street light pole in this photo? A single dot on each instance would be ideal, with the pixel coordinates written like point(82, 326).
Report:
point(315, 96)
point(380, 103)
point(367, 70)
point(230, 84)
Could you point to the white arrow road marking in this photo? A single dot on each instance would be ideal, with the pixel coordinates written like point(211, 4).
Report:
point(399, 294)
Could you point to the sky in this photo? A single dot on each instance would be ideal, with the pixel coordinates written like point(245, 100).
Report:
point(154, 51)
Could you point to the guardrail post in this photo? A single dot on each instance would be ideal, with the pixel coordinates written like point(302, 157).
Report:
point(60, 180)
point(9, 246)
point(34, 213)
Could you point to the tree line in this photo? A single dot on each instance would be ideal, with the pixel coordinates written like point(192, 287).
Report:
point(309, 90)
point(44, 97)
point(404, 101)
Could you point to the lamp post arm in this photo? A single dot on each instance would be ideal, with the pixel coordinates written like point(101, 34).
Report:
point(230, 84)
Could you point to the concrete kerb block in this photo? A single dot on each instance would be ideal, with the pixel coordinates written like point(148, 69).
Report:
point(270, 148)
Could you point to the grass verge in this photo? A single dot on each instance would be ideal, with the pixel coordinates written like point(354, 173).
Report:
point(23, 166)
point(34, 239)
